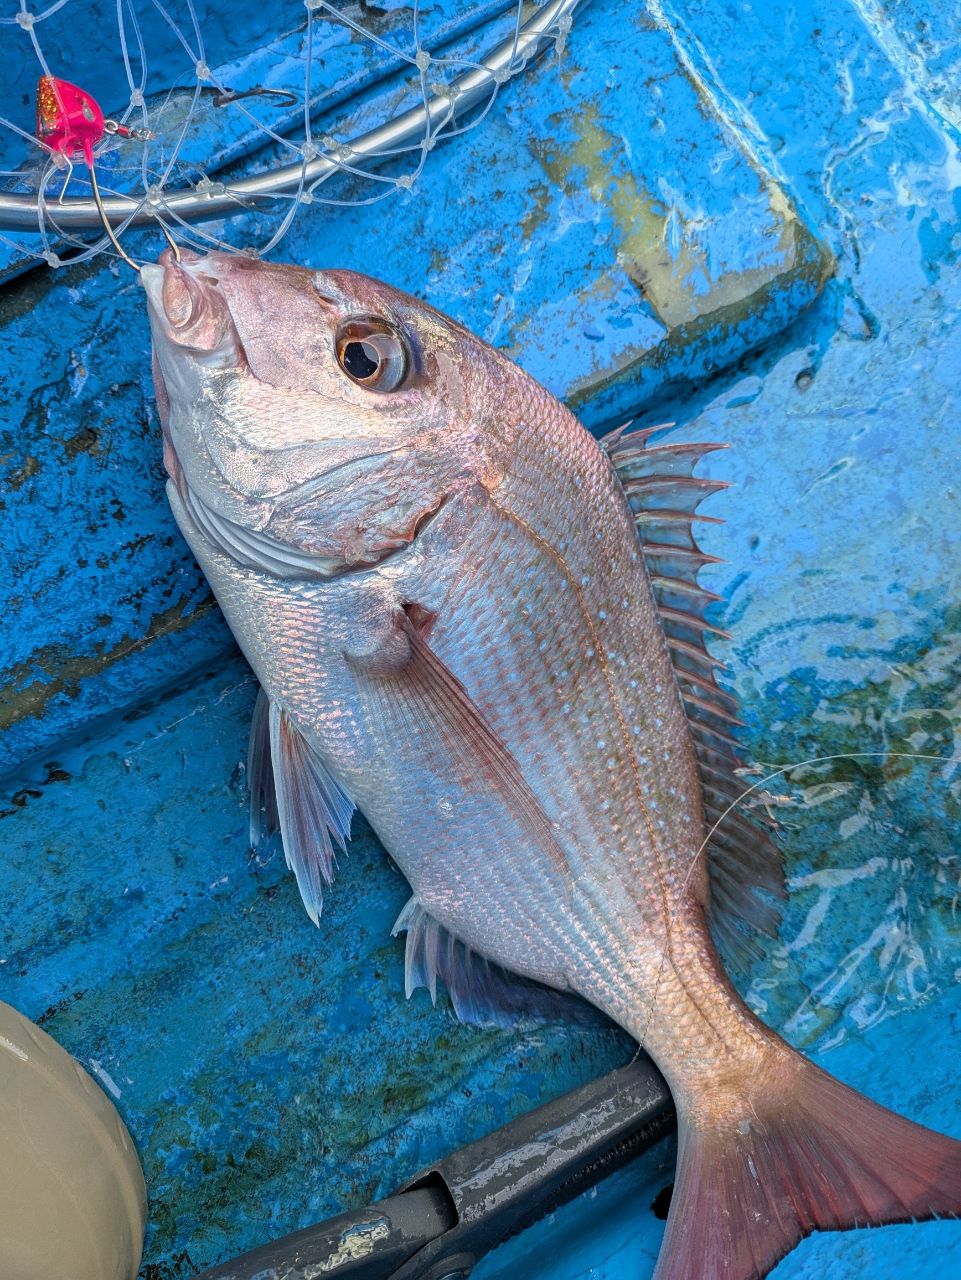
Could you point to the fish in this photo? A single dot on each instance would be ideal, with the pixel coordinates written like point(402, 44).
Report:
point(486, 630)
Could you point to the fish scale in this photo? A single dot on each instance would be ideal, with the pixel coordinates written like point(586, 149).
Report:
point(486, 631)
point(636, 692)
point(534, 647)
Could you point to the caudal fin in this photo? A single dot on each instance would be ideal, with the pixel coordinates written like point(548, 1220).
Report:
point(821, 1157)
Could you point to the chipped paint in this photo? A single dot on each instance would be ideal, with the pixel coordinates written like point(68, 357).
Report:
point(663, 241)
point(740, 321)
point(65, 672)
point(355, 1244)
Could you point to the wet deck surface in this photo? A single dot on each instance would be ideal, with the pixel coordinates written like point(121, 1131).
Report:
point(673, 193)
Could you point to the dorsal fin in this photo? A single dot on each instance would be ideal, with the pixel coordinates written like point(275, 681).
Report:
point(664, 495)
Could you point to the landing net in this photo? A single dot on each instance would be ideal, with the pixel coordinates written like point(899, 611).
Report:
point(271, 108)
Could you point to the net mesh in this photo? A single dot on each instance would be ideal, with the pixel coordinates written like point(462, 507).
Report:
point(222, 95)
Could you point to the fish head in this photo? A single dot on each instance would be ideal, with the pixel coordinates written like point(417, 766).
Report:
point(319, 411)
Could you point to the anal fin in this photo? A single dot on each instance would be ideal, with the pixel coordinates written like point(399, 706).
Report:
point(482, 993)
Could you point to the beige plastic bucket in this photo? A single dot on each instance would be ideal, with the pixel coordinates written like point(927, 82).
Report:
point(72, 1197)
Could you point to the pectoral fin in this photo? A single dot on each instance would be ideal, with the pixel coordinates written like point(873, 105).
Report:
point(417, 691)
point(292, 789)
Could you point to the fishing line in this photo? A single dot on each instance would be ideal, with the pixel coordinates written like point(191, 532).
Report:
point(757, 786)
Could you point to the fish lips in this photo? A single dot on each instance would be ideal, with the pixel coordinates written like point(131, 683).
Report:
point(188, 311)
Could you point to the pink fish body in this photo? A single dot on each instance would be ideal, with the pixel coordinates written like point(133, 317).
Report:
point(485, 630)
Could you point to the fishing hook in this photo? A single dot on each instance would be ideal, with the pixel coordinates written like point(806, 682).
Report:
point(224, 97)
point(70, 123)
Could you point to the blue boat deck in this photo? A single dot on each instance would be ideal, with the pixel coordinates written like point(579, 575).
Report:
point(745, 221)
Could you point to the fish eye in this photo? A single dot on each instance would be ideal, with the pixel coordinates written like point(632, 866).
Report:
point(372, 353)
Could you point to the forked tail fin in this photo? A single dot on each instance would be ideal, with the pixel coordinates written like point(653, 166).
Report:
point(821, 1157)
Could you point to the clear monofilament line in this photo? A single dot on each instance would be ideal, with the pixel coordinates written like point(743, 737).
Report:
point(776, 772)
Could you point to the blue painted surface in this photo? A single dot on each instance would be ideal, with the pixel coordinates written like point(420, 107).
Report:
point(115, 607)
point(271, 1072)
point(262, 1063)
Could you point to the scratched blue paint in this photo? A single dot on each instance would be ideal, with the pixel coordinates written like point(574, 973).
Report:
point(271, 1073)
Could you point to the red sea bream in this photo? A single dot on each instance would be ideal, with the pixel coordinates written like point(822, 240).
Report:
point(483, 628)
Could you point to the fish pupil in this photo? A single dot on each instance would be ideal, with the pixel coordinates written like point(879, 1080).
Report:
point(361, 359)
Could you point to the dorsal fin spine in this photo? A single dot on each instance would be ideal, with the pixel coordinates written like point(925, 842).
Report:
point(692, 620)
point(672, 516)
point(664, 496)
point(712, 708)
point(710, 687)
point(694, 651)
point(695, 555)
point(664, 582)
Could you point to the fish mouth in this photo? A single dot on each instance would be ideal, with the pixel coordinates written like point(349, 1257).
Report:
point(252, 548)
point(152, 275)
point(247, 546)
point(152, 279)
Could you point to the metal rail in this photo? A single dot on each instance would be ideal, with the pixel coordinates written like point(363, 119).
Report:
point(20, 212)
point(443, 1221)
